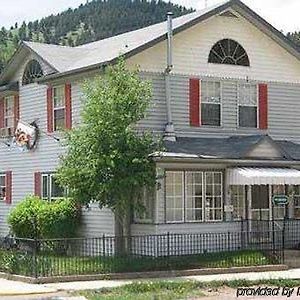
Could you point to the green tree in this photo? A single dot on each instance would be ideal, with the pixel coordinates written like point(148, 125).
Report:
point(107, 159)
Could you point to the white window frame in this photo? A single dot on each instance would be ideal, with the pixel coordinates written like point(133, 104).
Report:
point(234, 196)
point(50, 177)
point(9, 118)
point(63, 107)
point(3, 199)
point(182, 199)
point(239, 84)
point(186, 197)
point(202, 101)
point(205, 208)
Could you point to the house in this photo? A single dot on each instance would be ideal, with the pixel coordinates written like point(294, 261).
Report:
point(226, 92)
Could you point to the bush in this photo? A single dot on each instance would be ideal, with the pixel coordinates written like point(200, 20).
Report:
point(34, 218)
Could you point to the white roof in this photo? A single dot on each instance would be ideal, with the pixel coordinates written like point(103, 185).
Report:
point(65, 58)
point(263, 176)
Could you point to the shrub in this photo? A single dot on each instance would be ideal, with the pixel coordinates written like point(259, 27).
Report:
point(34, 218)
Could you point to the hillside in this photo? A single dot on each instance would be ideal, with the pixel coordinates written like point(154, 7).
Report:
point(92, 21)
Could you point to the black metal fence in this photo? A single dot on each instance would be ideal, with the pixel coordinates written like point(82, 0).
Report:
point(102, 255)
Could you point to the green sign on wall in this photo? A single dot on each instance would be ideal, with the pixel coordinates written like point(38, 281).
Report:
point(280, 200)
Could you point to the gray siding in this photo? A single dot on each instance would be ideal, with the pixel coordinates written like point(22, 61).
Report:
point(284, 110)
point(45, 158)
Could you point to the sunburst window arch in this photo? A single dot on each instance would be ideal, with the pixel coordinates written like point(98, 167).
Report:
point(230, 52)
point(33, 71)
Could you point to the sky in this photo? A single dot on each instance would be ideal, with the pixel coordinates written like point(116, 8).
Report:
point(283, 14)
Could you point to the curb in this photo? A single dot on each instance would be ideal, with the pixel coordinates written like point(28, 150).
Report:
point(145, 275)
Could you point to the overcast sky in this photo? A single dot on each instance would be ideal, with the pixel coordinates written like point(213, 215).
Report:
point(283, 14)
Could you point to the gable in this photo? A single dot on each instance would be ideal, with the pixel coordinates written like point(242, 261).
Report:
point(265, 149)
point(15, 68)
point(268, 60)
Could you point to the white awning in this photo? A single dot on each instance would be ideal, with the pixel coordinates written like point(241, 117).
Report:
point(263, 176)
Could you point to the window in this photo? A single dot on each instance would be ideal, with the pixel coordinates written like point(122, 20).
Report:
point(247, 105)
point(2, 187)
point(9, 118)
point(237, 193)
point(59, 107)
point(174, 196)
point(278, 210)
point(228, 52)
point(210, 103)
point(194, 196)
point(146, 215)
point(32, 72)
point(213, 196)
point(50, 188)
point(296, 200)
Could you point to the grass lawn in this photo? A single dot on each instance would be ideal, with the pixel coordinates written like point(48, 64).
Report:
point(49, 265)
point(168, 290)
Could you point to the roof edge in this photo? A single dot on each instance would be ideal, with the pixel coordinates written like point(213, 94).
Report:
point(22, 45)
point(236, 5)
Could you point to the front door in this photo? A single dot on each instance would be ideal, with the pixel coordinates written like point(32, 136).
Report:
point(260, 203)
point(260, 211)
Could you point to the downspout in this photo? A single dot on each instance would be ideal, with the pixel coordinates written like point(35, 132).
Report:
point(169, 134)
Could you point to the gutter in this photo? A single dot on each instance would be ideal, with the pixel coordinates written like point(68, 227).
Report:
point(194, 159)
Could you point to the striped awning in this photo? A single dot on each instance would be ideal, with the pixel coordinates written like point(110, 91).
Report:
point(263, 176)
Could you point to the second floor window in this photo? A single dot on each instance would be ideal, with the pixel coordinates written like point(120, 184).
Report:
point(51, 190)
point(59, 107)
point(210, 103)
point(247, 105)
point(2, 187)
point(9, 118)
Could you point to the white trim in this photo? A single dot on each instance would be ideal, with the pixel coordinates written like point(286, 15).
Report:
point(239, 83)
point(60, 107)
point(205, 102)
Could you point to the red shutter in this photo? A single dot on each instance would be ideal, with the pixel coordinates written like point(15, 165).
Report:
point(16, 110)
point(8, 187)
point(263, 106)
point(37, 184)
point(50, 109)
point(1, 112)
point(68, 105)
point(195, 101)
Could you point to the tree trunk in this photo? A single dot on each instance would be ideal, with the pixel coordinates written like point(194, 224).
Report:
point(123, 232)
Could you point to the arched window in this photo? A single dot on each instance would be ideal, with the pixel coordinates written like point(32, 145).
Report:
point(32, 71)
point(228, 52)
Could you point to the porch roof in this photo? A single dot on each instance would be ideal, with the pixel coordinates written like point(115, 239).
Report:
point(263, 176)
point(234, 147)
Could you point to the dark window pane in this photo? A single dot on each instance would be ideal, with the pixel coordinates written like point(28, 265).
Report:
point(45, 187)
point(59, 119)
point(211, 114)
point(230, 52)
point(56, 190)
point(248, 116)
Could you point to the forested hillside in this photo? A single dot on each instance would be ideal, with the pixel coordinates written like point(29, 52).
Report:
point(97, 19)
point(92, 21)
point(295, 37)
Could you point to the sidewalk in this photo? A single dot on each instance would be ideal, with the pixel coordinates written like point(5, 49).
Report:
point(8, 287)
